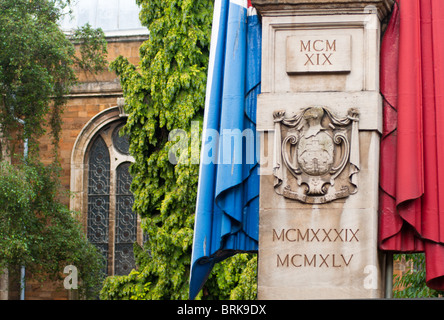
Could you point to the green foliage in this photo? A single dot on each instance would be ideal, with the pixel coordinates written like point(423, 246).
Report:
point(37, 71)
point(412, 284)
point(166, 92)
point(40, 233)
point(92, 49)
point(37, 64)
point(233, 279)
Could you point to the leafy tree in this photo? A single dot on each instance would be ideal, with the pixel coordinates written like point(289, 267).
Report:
point(38, 232)
point(166, 92)
point(38, 65)
point(412, 284)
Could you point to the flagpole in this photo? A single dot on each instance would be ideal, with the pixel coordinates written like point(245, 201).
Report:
point(389, 275)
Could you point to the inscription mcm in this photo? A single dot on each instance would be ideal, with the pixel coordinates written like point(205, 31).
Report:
point(323, 51)
point(324, 54)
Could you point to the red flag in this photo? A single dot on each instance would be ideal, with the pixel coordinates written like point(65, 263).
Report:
point(412, 146)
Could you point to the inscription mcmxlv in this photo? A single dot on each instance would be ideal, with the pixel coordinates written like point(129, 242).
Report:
point(307, 54)
point(314, 260)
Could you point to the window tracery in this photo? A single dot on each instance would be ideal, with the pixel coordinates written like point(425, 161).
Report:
point(112, 226)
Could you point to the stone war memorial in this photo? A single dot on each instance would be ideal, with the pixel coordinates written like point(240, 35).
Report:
point(320, 113)
point(347, 108)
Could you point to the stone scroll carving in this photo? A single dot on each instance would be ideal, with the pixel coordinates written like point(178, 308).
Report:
point(316, 156)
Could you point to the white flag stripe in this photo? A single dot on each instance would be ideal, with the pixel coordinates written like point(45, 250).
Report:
point(251, 11)
point(242, 3)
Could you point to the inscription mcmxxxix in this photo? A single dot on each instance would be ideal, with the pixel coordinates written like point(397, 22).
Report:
point(319, 235)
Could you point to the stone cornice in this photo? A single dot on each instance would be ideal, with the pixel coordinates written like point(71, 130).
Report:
point(306, 7)
point(96, 89)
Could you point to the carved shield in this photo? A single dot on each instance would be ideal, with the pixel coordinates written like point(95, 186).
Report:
point(316, 151)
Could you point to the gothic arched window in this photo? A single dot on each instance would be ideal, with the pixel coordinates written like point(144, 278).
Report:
point(126, 222)
point(112, 226)
point(98, 196)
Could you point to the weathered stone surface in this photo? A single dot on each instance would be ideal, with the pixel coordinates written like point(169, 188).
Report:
point(320, 117)
point(322, 251)
point(338, 102)
point(363, 31)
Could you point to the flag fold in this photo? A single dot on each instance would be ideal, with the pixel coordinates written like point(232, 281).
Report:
point(227, 208)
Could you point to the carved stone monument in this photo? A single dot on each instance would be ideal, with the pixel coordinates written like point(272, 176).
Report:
point(320, 118)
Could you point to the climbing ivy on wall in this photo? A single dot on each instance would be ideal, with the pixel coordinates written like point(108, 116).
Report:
point(166, 92)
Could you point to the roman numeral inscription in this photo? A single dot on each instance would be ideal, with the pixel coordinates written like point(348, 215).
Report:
point(313, 260)
point(321, 48)
point(306, 54)
point(316, 236)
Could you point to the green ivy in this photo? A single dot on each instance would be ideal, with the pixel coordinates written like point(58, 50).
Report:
point(166, 91)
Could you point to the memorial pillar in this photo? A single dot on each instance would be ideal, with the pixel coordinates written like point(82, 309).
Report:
point(320, 118)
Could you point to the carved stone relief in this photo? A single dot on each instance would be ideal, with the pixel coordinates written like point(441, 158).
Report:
point(316, 155)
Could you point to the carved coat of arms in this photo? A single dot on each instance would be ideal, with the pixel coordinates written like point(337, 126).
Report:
point(316, 155)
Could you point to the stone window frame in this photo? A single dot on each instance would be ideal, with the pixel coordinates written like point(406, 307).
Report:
point(111, 117)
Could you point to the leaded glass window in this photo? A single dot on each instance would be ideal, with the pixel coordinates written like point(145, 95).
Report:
point(126, 222)
point(98, 196)
point(112, 226)
point(121, 143)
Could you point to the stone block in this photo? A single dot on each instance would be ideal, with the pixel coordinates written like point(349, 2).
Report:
point(312, 53)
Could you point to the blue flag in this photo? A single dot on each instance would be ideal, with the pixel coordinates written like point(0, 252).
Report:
point(227, 209)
